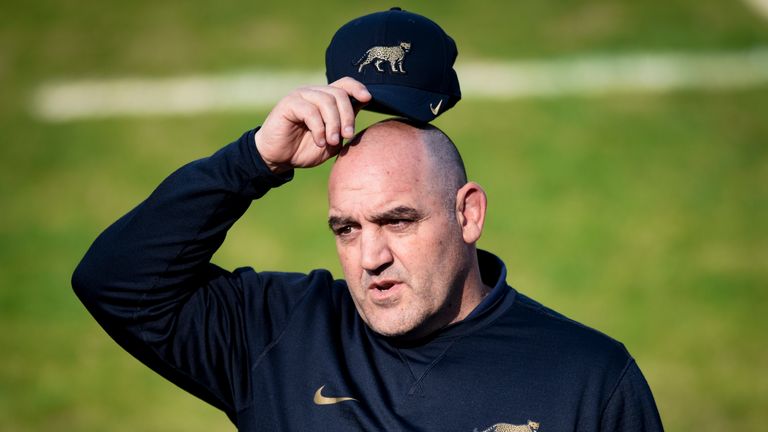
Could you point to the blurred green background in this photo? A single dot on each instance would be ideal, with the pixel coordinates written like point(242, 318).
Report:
point(641, 214)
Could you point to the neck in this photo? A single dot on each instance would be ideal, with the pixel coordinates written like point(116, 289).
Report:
point(474, 290)
point(469, 294)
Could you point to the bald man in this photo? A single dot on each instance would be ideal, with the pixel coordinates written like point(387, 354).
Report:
point(423, 333)
point(406, 226)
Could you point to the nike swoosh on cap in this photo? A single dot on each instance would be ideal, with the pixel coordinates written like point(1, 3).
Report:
point(436, 109)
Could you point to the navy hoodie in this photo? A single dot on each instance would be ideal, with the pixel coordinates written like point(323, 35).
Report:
point(288, 352)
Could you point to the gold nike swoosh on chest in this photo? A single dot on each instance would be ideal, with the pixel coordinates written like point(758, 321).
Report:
point(324, 400)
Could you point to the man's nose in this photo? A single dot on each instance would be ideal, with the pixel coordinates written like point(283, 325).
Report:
point(375, 253)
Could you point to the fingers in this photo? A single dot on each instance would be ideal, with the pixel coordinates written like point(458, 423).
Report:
point(308, 113)
point(330, 111)
point(354, 88)
point(335, 108)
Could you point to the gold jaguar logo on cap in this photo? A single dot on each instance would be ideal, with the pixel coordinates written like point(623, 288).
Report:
point(394, 55)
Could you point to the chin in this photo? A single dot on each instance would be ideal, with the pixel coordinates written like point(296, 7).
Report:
point(390, 331)
point(390, 328)
point(404, 331)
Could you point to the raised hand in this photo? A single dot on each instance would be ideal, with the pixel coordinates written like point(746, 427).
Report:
point(307, 127)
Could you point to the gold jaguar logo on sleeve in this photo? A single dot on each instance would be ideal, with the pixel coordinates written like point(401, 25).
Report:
point(394, 55)
point(532, 426)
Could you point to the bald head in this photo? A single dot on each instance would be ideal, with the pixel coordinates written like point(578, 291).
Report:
point(408, 145)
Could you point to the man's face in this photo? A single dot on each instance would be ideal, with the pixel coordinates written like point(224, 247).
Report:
point(400, 247)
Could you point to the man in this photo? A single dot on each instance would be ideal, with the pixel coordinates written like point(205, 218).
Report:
point(424, 334)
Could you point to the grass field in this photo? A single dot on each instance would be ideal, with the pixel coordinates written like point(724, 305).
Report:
point(643, 215)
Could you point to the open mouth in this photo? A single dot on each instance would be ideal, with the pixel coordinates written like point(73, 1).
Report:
point(385, 293)
point(382, 286)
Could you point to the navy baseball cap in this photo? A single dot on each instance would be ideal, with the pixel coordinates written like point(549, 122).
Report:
point(405, 61)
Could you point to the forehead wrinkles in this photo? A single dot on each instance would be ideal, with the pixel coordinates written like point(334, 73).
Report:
point(377, 188)
point(370, 195)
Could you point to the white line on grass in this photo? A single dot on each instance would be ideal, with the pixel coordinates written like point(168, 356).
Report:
point(62, 101)
point(616, 74)
point(173, 95)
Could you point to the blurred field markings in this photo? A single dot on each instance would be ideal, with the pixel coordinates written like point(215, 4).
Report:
point(759, 6)
point(630, 73)
point(616, 74)
point(173, 95)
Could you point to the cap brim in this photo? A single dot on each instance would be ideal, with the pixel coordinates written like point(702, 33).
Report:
point(408, 102)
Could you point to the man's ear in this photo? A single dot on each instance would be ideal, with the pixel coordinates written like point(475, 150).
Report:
point(470, 211)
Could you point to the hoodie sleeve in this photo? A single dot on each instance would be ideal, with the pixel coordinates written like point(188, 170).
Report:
point(148, 280)
point(631, 407)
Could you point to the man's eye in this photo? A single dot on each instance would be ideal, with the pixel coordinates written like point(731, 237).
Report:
point(343, 230)
point(399, 223)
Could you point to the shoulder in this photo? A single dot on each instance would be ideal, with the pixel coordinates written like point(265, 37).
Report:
point(569, 343)
point(276, 299)
point(291, 288)
point(285, 280)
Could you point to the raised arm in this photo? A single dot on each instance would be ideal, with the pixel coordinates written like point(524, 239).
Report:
point(148, 280)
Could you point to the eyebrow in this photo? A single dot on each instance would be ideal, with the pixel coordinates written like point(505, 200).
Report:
point(399, 212)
